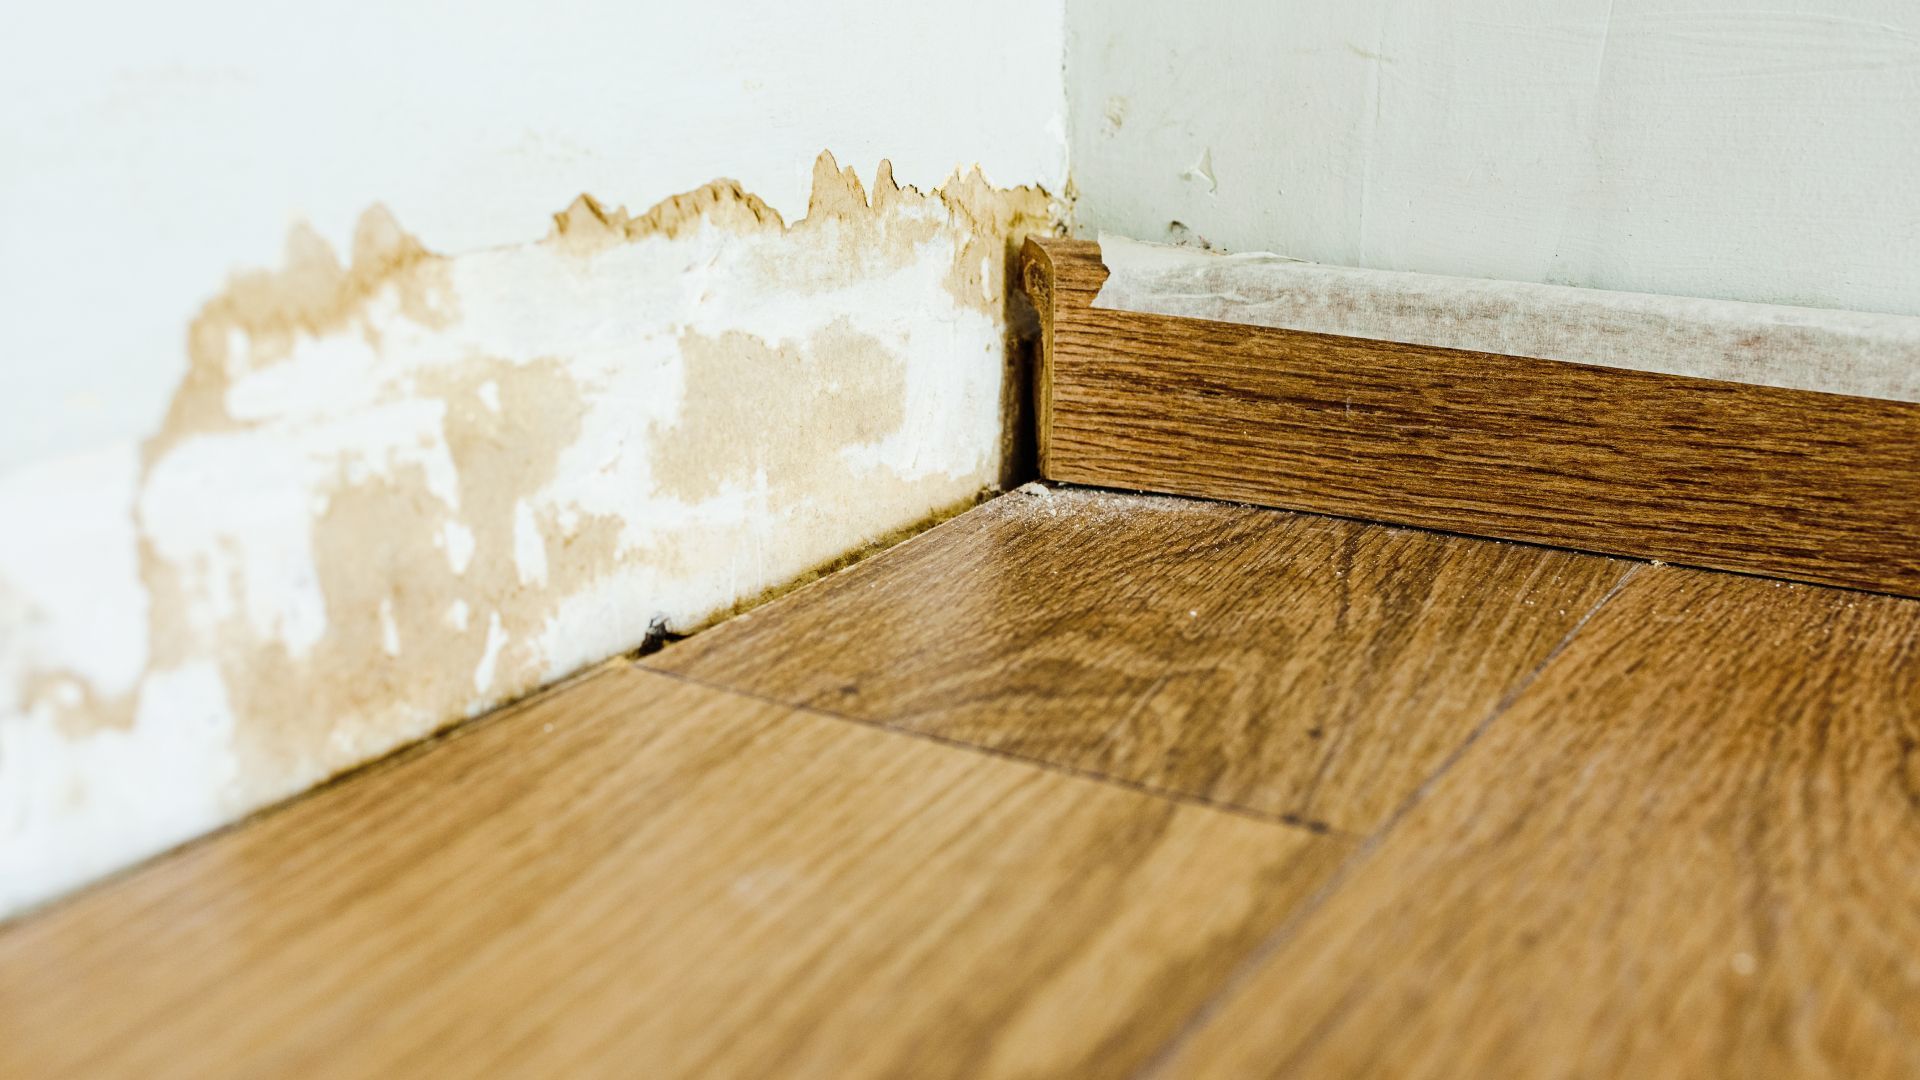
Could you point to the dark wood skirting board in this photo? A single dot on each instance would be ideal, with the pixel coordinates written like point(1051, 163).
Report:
point(1788, 483)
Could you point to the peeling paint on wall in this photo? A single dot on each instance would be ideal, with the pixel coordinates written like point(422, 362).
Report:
point(397, 491)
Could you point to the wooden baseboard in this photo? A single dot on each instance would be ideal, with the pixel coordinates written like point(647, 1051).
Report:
point(1788, 483)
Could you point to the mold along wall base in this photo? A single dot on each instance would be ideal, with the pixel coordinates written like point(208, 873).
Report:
point(398, 491)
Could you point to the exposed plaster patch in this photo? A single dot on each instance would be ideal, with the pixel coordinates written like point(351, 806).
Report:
point(737, 428)
point(389, 629)
point(73, 636)
point(264, 313)
point(529, 546)
point(723, 204)
point(385, 556)
point(395, 492)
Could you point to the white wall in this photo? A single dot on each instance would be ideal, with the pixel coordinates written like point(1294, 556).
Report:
point(319, 431)
point(1745, 149)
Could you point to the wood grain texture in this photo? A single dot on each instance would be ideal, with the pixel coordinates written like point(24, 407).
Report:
point(1689, 849)
point(636, 876)
point(1817, 487)
point(1310, 669)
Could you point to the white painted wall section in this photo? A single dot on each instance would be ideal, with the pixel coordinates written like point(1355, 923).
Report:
point(1741, 149)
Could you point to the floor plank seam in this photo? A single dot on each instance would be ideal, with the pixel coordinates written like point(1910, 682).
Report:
point(1500, 708)
point(1291, 821)
point(1257, 957)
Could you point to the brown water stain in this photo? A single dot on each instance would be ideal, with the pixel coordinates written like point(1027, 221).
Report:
point(383, 577)
point(752, 410)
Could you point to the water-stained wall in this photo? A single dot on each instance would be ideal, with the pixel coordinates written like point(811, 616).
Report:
point(397, 487)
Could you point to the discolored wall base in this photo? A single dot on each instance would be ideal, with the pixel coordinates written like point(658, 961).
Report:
point(394, 493)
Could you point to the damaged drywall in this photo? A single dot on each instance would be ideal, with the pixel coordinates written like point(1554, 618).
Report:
point(398, 490)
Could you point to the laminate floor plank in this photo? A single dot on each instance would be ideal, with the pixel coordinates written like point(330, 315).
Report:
point(638, 876)
point(1301, 796)
point(1691, 848)
point(1311, 669)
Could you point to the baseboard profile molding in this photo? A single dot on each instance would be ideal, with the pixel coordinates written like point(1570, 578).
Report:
point(1791, 483)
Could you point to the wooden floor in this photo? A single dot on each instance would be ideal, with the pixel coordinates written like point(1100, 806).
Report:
point(1084, 784)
